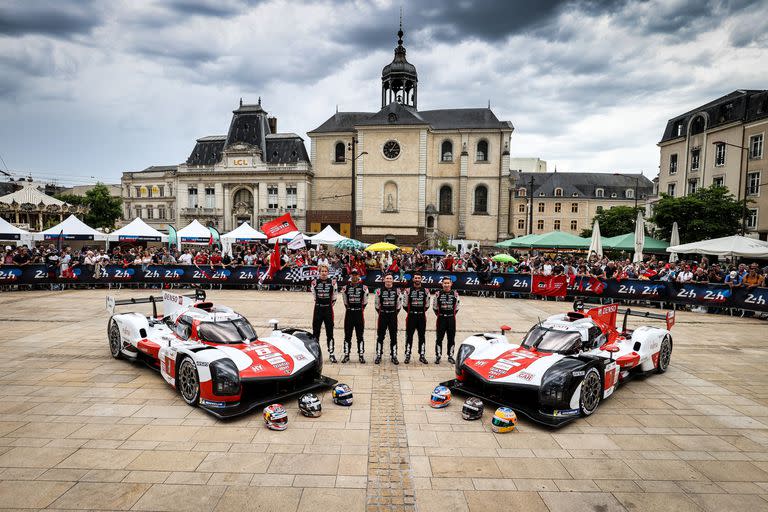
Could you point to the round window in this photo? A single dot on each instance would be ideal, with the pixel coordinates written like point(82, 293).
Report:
point(391, 149)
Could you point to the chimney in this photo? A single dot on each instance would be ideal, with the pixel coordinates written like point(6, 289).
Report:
point(272, 121)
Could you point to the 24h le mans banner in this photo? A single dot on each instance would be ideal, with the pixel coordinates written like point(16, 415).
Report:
point(713, 295)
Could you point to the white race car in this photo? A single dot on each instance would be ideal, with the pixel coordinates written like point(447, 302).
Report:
point(565, 365)
point(213, 355)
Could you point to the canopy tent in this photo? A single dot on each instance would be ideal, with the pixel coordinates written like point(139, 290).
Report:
point(328, 236)
point(734, 246)
point(71, 228)
point(194, 233)
point(243, 233)
point(137, 231)
point(626, 242)
point(518, 242)
point(10, 232)
point(551, 240)
point(287, 237)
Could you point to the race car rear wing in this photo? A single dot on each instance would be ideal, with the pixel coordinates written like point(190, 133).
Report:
point(171, 301)
point(607, 313)
point(669, 317)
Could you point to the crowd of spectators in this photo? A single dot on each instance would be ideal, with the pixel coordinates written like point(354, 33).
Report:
point(62, 262)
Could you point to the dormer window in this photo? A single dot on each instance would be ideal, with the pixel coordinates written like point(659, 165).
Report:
point(575, 194)
point(599, 192)
point(521, 192)
point(614, 195)
point(629, 193)
point(558, 192)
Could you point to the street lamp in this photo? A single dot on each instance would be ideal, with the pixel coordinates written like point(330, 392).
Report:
point(351, 148)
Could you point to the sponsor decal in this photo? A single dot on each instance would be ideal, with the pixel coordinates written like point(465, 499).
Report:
point(565, 412)
point(526, 376)
point(579, 373)
point(511, 362)
point(217, 405)
point(481, 363)
point(300, 357)
point(202, 363)
point(257, 368)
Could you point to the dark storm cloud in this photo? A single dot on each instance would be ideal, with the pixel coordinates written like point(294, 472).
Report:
point(207, 8)
point(52, 18)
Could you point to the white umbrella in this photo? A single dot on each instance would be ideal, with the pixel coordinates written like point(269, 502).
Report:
point(674, 239)
point(733, 246)
point(596, 245)
point(639, 237)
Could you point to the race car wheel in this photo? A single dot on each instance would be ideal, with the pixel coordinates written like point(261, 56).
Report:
point(665, 354)
point(188, 382)
point(591, 392)
point(115, 340)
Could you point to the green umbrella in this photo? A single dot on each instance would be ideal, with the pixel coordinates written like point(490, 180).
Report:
point(504, 258)
point(350, 244)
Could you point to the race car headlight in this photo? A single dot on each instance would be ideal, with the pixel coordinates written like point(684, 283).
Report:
point(226, 377)
point(553, 385)
point(464, 352)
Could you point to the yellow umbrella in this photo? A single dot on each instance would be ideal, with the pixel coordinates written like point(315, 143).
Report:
point(381, 246)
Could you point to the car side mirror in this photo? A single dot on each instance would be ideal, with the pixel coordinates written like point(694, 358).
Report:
point(505, 328)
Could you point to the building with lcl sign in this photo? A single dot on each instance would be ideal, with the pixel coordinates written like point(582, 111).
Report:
point(252, 174)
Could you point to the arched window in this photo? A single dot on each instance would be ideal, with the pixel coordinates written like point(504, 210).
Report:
point(446, 151)
point(244, 197)
point(341, 153)
point(521, 192)
point(482, 151)
point(446, 200)
point(629, 193)
point(430, 222)
point(599, 192)
point(558, 192)
point(389, 199)
point(481, 199)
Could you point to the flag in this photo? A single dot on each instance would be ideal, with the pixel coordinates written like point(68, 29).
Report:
point(297, 242)
point(172, 237)
point(215, 237)
point(274, 264)
point(60, 241)
point(280, 226)
point(549, 286)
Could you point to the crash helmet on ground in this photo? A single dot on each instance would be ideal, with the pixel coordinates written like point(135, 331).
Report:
point(504, 420)
point(441, 397)
point(342, 395)
point(310, 406)
point(472, 409)
point(275, 417)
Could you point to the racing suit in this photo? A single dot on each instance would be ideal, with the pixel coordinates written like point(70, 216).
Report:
point(446, 305)
point(355, 299)
point(416, 304)
point(324, 292)
point(387, 305)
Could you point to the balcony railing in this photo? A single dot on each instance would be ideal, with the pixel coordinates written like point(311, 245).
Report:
point(200, 211)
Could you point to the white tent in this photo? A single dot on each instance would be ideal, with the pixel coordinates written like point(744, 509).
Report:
point(285, 238)
point(639, 237)
point(71, 228)
point(243, 233)
point(194, 233)
point(327, 236)
point(10, 232)
point(733, 246)
point(596, 245)
point(137, 230)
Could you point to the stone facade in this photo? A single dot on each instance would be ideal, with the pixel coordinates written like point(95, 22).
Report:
point(419, 174)
point(721, 142)
point(252, 175)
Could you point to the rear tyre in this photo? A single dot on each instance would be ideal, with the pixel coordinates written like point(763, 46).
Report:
point(115, 340)
point(188, 382)
point(665, 354)
point(591, 392)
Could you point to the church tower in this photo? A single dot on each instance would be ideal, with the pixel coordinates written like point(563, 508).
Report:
point(398, 78)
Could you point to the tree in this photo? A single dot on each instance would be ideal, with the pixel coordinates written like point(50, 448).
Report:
point(615, 221)
point(103, 209)
point(710, 212)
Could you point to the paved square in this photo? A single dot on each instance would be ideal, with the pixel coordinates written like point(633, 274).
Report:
point(79, 430)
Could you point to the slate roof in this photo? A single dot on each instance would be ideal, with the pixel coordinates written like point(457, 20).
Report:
point(285, 148)
point(741, 105)
point(443, 119)
point(206, 152)
point(157, 168)
point(582, 183)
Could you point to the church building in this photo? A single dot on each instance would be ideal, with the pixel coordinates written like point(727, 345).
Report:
point(406, 175)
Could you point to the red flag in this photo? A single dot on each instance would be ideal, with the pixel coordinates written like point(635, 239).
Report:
point(549, 286)
point(280, 226)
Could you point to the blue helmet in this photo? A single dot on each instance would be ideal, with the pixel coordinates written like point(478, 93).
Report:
point(441, 397)
point(342, 395)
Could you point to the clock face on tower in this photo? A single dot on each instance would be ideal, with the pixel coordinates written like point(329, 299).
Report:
point(391, 149)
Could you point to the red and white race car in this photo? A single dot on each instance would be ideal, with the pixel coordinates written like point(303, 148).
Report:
point(213, 355)
point(565, 365)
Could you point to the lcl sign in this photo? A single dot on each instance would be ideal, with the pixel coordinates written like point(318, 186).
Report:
point(240, 162)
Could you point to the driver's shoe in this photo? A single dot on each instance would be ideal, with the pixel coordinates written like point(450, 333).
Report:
point(378, 359)
point(345, 359)
point(332, 358)
point(407, 359)
point(451, 360)
point(395, 361)
point(362, 359)
point(423, 360)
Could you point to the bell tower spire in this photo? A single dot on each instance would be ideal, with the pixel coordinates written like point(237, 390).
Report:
point(399, 79)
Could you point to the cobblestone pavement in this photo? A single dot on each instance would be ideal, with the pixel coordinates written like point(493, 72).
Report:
point(79, 430)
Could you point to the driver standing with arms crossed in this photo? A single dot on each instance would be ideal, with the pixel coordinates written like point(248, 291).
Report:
point(324, 292)
point(446, 305)
point(355, 295)
point(387, 305)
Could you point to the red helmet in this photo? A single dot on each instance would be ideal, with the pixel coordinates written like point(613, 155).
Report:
point(275, 417)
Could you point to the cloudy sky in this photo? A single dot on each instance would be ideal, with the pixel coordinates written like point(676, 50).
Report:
point(93, 88)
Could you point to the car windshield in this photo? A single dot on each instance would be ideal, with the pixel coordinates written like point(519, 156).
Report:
point(230, 331)
point(551, 340)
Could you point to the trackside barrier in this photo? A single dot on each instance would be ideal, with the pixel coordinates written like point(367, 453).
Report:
point(701, 294)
